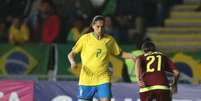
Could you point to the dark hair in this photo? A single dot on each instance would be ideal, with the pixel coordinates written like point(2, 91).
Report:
point(148, 46)
point(96, 18)
point(51, 4)
point(141, 41)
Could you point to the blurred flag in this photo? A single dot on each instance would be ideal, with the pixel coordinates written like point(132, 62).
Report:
point(188, 64)
point(17, 61)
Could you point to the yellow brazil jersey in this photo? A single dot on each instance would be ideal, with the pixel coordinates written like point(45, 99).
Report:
point(21, 34)
point(95, 56)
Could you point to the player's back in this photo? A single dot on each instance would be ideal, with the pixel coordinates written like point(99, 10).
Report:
point(153, 67)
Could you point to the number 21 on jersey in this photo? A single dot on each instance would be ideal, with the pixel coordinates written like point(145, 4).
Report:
point(151, 59)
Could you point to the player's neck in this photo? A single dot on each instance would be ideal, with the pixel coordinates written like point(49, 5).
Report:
point(98, 36)
point(148, 53)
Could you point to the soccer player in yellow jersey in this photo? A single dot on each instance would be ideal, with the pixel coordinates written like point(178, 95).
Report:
point(95, 48)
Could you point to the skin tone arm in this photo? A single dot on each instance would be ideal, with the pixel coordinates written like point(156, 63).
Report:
point(137, 72)
point(176, 74)
point(127, 55)
point(71, 58)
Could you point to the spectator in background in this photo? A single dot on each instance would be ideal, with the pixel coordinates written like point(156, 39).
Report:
point(18, 31)
point(111, 29)
point(77, 30)
point(123, 24)
point(34, 21)
point(110, 7)
point(51, 25)
point(2, 31)
point(8, 22)
point(50, 31)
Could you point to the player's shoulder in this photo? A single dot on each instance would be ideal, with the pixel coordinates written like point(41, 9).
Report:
point(142, 56)
point(158, 52)
point(153, 53)
point(109, 37)
point(85, 35)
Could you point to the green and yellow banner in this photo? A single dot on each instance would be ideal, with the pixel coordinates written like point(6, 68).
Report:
point(34, 59)
point(24, 59)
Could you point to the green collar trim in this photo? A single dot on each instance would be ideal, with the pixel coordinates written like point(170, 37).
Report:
point(93, 33)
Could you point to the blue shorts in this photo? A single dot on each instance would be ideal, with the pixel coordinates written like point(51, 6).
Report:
point(101, 91)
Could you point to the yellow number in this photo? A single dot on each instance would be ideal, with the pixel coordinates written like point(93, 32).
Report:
point(159, 63)
point(151, 60)
point(98, 52)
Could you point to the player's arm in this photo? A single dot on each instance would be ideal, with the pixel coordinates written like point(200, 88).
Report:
point(71, 58)
point(137, 72)
point(176, 75)
point(127, 55)
point(116, 50)
point(172, 68)
point(76, 49)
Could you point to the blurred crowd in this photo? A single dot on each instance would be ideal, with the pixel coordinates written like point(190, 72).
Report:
point(63, 21)
point(46, 23)
point(42, 24)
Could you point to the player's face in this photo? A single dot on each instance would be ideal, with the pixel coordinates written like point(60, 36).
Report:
point(98, 27)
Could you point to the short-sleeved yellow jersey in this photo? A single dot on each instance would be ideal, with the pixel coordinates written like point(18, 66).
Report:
point(95, 55)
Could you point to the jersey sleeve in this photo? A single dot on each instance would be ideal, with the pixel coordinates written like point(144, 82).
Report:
point(170, 65)
point(116, 50)
point(79, 45)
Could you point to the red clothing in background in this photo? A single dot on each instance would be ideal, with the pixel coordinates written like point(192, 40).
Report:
point(51, 29)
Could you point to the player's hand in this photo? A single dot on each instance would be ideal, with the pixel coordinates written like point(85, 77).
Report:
point(73, 66)
point(173, 88)
point(133, 58)
point(141, 83)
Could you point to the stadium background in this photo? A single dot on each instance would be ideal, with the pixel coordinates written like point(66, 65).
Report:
point(174, 26)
